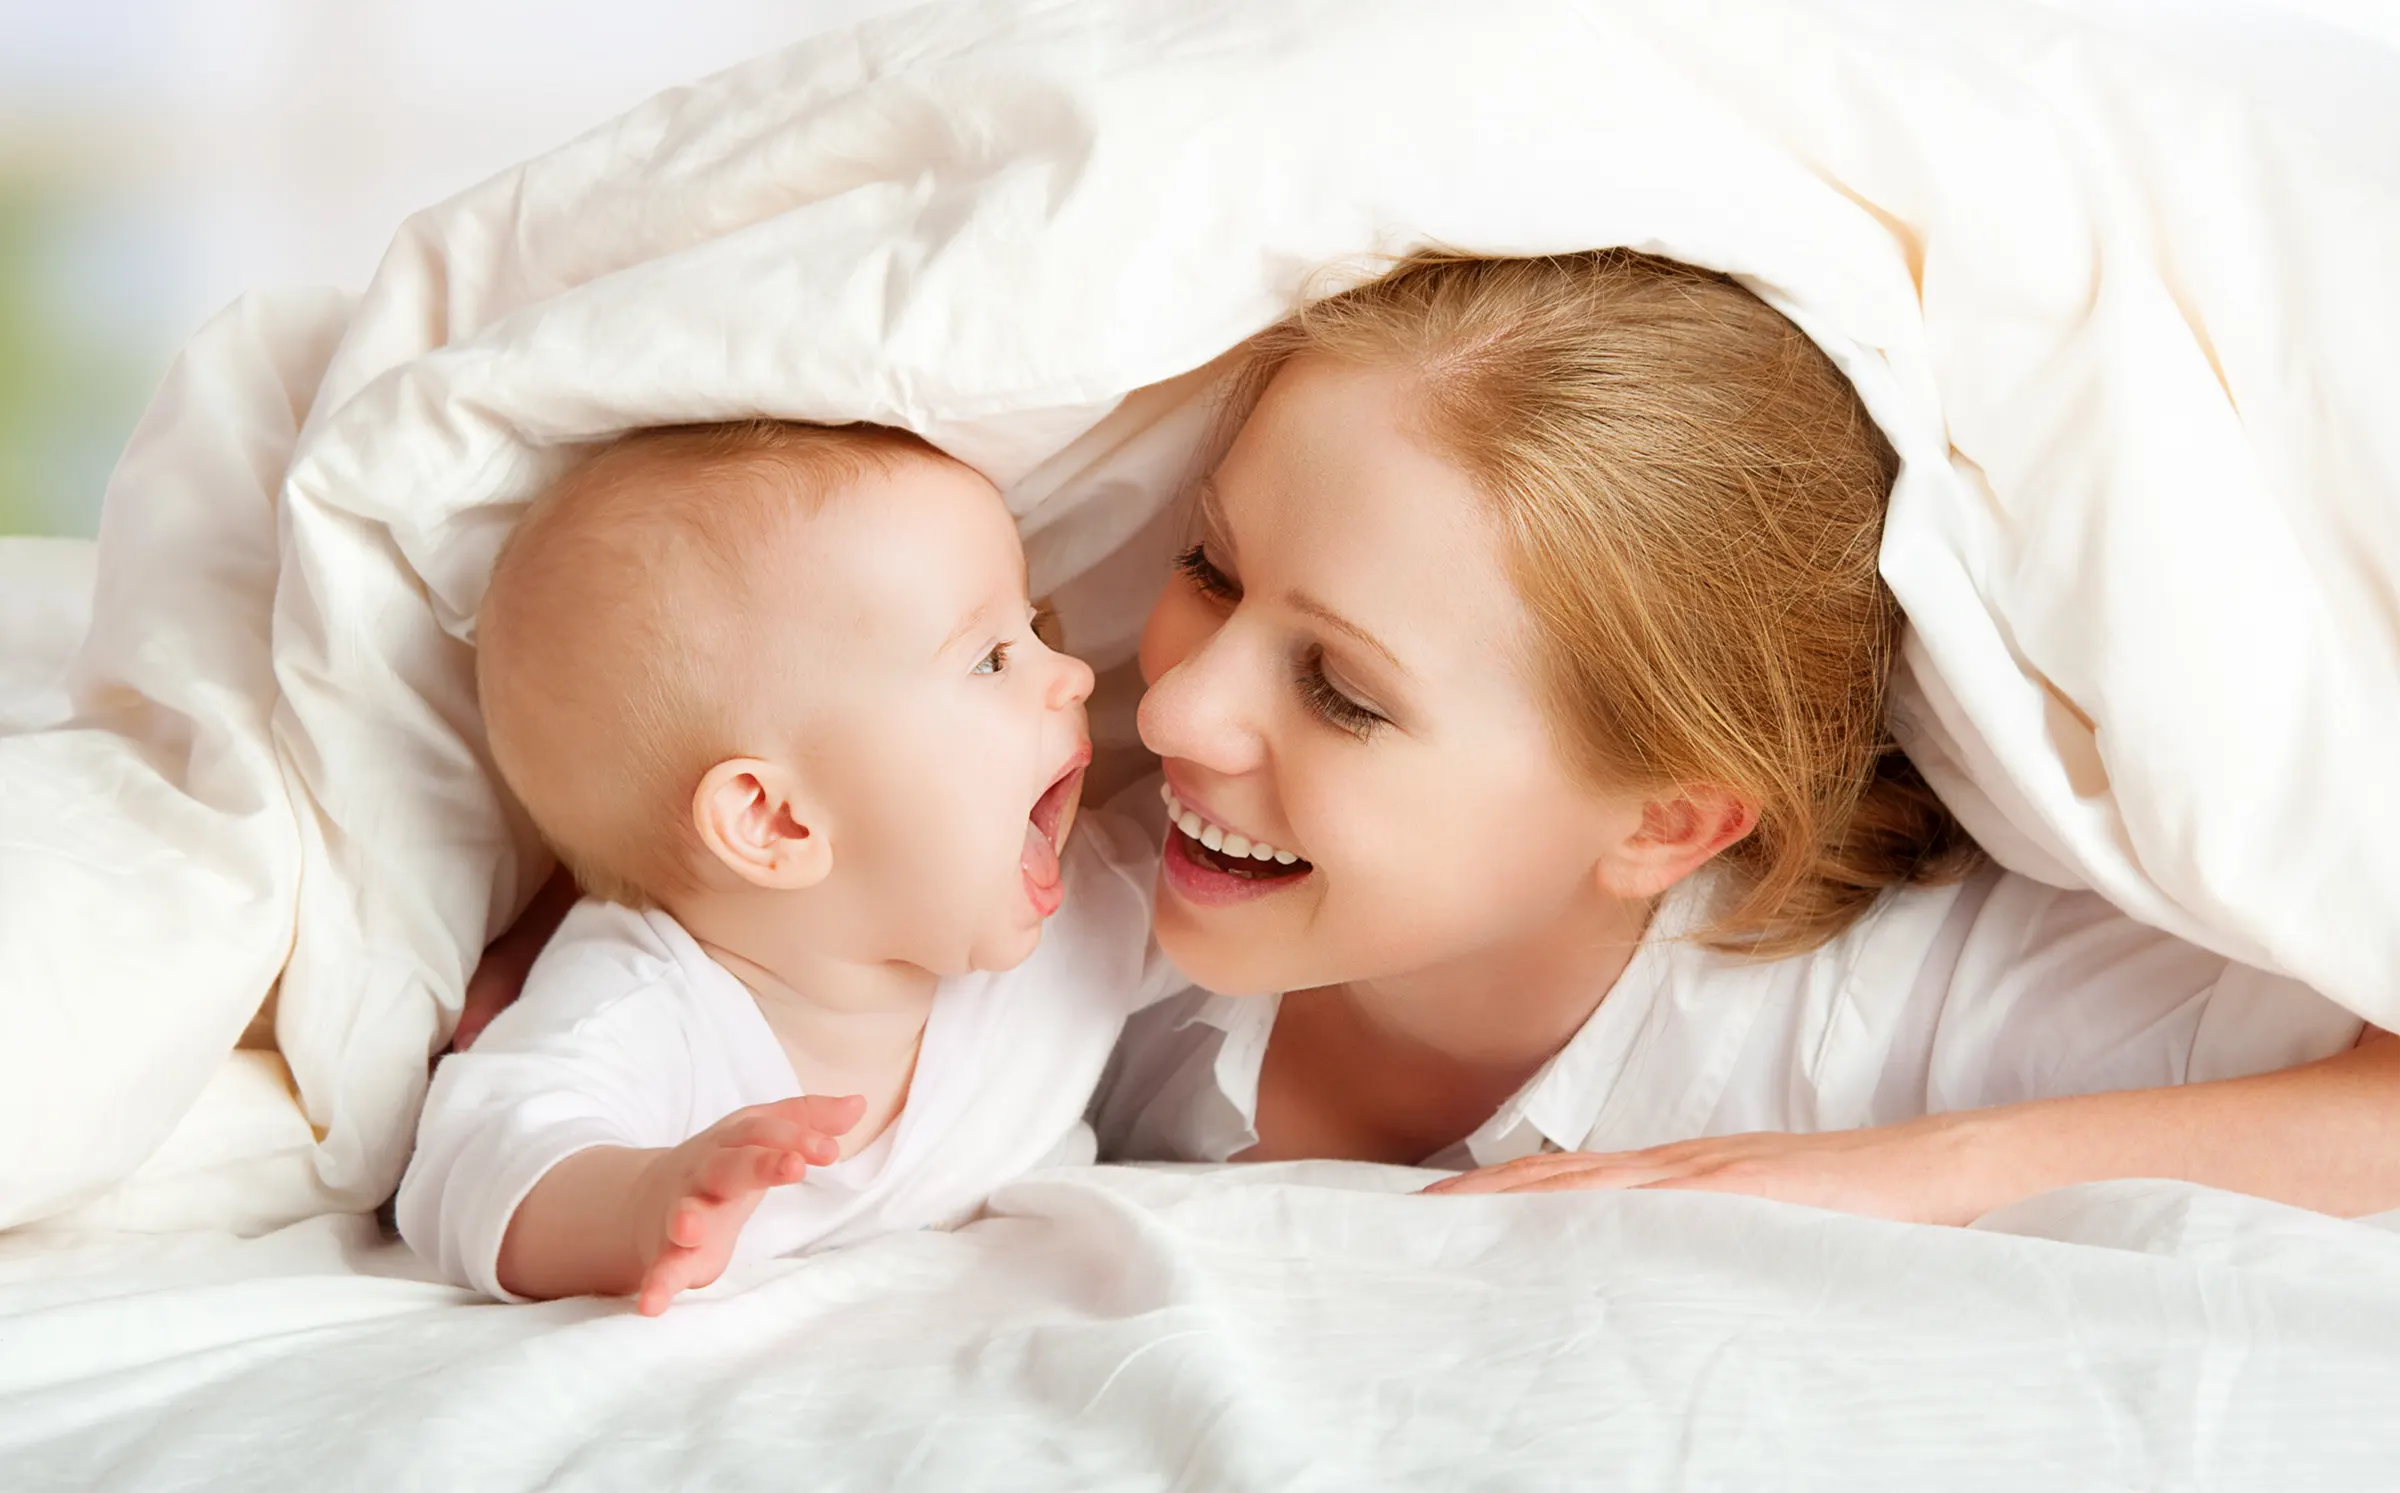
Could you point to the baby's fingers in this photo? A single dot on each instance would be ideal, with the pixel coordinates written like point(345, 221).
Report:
point(806, 1125)
point(828, 1114)
point(770, 1132)
point(736, 1170)
point(676, 1270)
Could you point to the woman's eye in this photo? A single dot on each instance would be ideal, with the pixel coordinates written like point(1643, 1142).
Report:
point(995, 661)
point(1323, 697)
point(1204, 575)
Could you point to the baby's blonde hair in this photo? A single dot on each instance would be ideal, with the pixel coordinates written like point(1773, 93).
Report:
point(1693, 499)
point(608, 645)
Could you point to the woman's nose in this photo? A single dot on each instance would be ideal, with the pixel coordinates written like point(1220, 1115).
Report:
point(1194, 711)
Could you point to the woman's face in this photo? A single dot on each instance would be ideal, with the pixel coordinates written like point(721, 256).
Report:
point(1343, 673)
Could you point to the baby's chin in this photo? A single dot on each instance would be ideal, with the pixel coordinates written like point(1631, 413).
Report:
point(1006, 949)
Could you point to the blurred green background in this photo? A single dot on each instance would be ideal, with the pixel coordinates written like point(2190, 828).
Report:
point(157, 157)
point(68, 395)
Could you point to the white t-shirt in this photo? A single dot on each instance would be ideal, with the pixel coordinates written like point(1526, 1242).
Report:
point(628, 1034)
point(1990, 991)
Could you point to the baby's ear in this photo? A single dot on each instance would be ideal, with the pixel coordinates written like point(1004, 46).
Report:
point(753, 817)
point(1679, 833)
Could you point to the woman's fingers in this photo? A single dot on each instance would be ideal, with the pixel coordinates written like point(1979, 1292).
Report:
point(1592, 1179)
point(1509, 1176)
point(1569, 1171)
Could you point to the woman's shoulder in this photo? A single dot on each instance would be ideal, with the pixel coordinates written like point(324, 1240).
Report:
point(1990, 905)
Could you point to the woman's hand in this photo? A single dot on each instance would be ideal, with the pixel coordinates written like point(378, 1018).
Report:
point(1927, 1171)
point(500, 975)
point(2314, 1136)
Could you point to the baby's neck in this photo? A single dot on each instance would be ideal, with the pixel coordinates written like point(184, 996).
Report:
point(847, 1027)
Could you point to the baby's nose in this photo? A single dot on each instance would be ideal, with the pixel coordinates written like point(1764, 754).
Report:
point(1071, 684)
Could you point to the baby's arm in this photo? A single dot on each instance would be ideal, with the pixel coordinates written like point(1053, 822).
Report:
point(557, 1156)
point(615, 1221)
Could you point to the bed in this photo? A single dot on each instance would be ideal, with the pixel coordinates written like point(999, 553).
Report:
point(2121, 295)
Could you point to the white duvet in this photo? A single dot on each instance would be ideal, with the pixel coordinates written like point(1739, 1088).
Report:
point(2127, 311)
point(2125, 302)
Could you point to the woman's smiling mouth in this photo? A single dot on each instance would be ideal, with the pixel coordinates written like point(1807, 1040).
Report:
point(1211, 865)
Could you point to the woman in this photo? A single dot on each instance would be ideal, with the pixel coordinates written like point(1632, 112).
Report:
point(1534, 635)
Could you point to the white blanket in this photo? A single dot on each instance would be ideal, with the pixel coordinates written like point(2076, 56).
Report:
point(1259, 1328)
point(2130, 330)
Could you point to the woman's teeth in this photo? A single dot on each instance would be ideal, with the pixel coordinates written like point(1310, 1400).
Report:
point(1216, 838)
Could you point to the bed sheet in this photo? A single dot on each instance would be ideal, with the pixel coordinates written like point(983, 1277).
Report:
point(1253, 1328)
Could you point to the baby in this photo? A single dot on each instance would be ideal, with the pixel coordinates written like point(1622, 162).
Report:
point(775, 695)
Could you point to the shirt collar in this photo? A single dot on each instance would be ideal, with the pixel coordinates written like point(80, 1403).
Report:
point(1560, 1107)
point(1244, 1023)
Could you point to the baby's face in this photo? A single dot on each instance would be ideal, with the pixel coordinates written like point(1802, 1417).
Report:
point(945, 741)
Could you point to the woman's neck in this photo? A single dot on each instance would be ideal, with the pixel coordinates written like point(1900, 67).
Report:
point(1510, 1006)
point(1399, 1069)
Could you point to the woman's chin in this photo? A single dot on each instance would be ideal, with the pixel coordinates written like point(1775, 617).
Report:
point(1241, 949)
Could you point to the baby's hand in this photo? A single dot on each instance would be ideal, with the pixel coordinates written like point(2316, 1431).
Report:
point(693, 1200)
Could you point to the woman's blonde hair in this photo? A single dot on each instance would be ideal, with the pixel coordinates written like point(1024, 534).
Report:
point(1693, 500)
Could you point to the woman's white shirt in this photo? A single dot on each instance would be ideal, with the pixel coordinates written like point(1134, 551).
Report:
point(1988, 991)
point(629, 1034)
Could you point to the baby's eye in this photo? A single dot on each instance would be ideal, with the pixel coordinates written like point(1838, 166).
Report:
point(994, 662)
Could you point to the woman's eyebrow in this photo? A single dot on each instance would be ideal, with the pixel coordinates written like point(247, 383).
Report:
point(1302, 602)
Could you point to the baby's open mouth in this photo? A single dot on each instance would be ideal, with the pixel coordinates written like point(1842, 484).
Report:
point(1054, 812)
point(1233, 854)
point(1046, 830)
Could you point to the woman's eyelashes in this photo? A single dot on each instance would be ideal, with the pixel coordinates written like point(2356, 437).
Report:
point(1205, 577)
point(1325, 699)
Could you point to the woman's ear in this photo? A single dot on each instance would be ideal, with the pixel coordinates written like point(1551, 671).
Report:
point(752, 817)
point(1677, 834)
